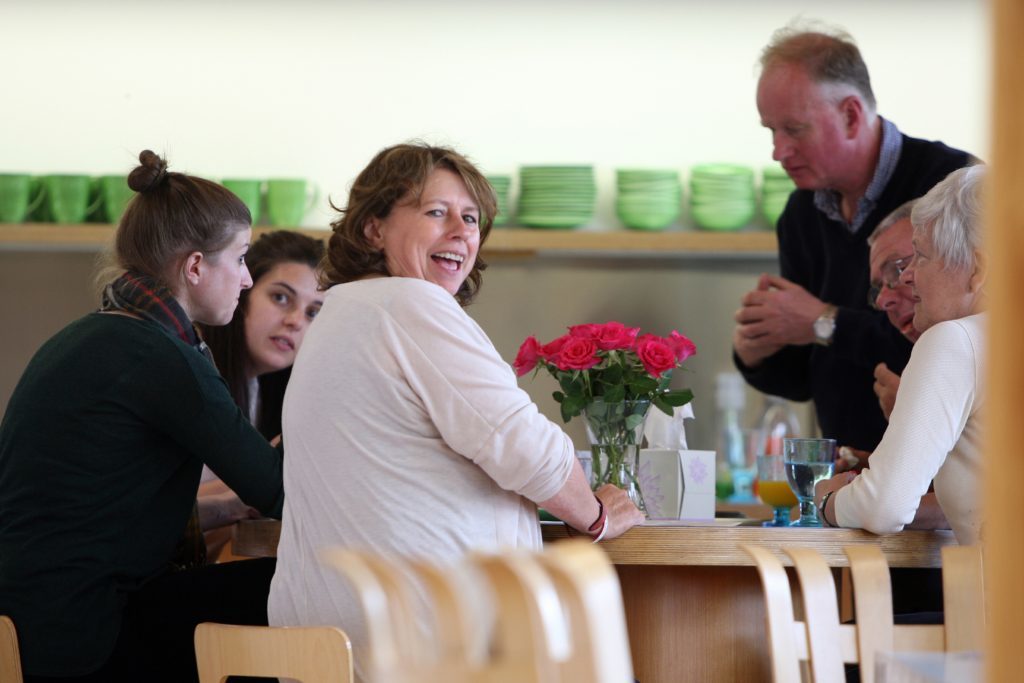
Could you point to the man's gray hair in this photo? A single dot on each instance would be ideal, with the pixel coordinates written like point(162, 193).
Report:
point(829, 54)
point(949, 217)
point(901, 213)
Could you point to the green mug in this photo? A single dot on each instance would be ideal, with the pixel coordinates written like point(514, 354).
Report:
point(288, 201)
point(67, 197)
point(40, 214)
point(249, 191)
point(18, 197)
point(115, 195)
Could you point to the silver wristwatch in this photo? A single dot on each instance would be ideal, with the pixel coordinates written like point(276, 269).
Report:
point(825, 326)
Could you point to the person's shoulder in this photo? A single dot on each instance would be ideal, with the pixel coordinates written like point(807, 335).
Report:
point(925, 150)
point(114, 330)
point(397, 293)
point(944, 337)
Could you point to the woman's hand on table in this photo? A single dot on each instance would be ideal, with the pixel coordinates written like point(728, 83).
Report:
point(221, 509)
point(622, 514)
point(580, 508)
point(829, 485)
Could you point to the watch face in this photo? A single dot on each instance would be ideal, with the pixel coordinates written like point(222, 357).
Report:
point(823, 327)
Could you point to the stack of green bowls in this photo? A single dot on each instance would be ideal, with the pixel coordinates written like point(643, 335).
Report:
point(648, 199)
point(722, 196)
point(556, 196)
point(776, 186)
point(501, 185)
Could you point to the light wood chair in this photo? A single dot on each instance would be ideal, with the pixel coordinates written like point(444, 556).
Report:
point(530, 638)
point(10, 657)
point(557, 616)
point(316, 654)
point(385, 615)
point(526, 636)
point(787, 637)
point(822, 645)
point(821, 613)
point(589, 590)
point(963, 594)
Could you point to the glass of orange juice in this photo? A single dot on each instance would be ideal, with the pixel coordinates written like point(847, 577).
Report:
point(773, 488)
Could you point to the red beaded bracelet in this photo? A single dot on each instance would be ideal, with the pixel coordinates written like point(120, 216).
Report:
point(600, 525)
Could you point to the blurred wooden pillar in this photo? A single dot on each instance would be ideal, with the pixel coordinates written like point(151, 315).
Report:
point(1004, 482)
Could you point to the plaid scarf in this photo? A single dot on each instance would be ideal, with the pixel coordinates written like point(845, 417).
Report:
point(141, 295)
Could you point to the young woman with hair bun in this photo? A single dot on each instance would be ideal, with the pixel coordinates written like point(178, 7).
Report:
point(103, 443)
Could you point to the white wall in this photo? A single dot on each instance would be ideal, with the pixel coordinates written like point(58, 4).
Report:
point(313, 88)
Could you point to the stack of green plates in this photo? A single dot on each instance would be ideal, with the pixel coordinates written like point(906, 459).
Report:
point(501, 184)
point(556, 196)
point(722, 196)
point(648, 199)
point(775, 190)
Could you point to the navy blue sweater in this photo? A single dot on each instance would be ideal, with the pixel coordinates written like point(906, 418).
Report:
point(830, 262)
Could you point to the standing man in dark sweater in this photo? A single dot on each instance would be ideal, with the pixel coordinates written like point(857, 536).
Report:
point(811, 333)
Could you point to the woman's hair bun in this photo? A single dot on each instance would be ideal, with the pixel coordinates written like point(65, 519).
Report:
point(149, 174)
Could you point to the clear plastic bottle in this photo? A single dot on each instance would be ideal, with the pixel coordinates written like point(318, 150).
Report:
point(777, 422)
point(734, 475)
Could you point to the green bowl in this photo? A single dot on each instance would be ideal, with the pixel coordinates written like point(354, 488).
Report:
point(712, 218)
point(649, 219)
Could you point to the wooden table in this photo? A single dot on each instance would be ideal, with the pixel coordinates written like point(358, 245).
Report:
point(693, 599)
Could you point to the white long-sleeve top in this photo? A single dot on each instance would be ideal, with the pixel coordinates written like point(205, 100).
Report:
point(934, 433)
point(405, 433)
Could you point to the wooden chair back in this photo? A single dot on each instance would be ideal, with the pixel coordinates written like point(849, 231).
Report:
point(872, 601)
point(318, 654)
point(963, 594)
point(821, 615)
point(787, 637)
point(589, 590)
point(820, 644)
point(530, 639)
point(558, 616)
point(385, 614)
point(823, 645)
point(10, 657)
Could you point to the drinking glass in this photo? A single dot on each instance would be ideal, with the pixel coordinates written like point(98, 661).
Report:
point(773, 488)
point(808, 461)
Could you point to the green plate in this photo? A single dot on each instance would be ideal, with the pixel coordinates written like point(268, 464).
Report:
point(553, 221)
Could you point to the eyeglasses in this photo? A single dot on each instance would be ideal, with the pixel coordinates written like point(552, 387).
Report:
point(891, 272)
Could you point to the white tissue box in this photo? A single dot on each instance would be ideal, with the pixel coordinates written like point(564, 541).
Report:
point(678, 484)
point(699, 476)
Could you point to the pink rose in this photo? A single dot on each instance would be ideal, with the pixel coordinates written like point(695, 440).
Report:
point(526, 359)
point(610, 336)
point(655, 354)
point(550, 351)
point(588, 331)
point(577, 354)
point(683, 347)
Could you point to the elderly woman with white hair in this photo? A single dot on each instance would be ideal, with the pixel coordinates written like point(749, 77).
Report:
point(934, 431)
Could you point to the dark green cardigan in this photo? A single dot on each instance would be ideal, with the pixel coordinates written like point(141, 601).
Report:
point(101, 450)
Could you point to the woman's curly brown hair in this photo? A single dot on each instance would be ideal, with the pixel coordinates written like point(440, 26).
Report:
point(398, 174)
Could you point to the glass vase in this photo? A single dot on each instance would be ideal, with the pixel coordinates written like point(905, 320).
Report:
point(616, 431)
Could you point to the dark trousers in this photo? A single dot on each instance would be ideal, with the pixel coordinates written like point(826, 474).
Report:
point(156, 639)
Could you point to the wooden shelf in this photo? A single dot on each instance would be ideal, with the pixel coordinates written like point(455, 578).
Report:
point(632, 242)
point(503, 241)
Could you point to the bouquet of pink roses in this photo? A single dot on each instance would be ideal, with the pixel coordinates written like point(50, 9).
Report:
point(610, 362)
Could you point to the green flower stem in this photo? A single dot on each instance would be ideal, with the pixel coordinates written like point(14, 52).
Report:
point(616, 432)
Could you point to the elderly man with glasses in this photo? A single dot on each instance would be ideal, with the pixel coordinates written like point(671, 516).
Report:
point(891, 251)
